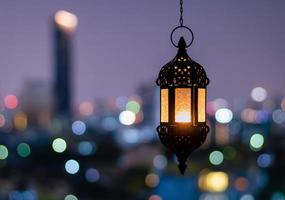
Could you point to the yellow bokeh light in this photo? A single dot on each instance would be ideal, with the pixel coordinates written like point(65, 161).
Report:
point(213, 181)
point(66, 20)
point(20, 121)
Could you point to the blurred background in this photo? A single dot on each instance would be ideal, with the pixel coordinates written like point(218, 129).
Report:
point(79, 105)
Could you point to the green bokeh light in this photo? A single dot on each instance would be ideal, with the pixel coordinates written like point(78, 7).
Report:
point(256, 141)
point(3, 152)
point(216, 158)
point(133, 106)
point(70, 197)
point(24, 150)
point(59, 145)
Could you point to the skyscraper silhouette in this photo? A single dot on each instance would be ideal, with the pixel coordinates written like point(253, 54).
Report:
point(64, 26)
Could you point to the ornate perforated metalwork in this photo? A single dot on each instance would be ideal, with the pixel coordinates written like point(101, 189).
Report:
point(182, 139)
point(188, 139)
point(182, 71)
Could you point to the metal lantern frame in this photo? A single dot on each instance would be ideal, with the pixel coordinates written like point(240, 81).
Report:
point(182, 138)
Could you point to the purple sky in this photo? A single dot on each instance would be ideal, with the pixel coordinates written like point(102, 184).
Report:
point(120, 44)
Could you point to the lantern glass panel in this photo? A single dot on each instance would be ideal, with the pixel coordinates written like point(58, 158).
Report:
point(164, 105)
point(183, 105)
point(201, 105)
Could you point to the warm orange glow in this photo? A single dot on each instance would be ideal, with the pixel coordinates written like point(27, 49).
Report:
point(201, 105)
point(20, 121)
point(152, 180)
point(213, 181)
point(182, 117)
point(164, 105)
point(182, 105)
point(66, 20)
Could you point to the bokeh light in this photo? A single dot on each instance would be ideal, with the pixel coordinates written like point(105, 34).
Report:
point(127, 117)
point(133, 106)
point(24, 150)
point(224, 115)
point(86, 108)
point(23, 195)
point(11, 101)
point(59, 145)
point(72, 166)
point(20, 121)
point(2, 120)
point(216, 157)
point(86, 148)
point(213, 181)
point(258, 94)
point(121, 102)
point(248, 115)
point(278, 196)
point(256, 141)
point(247, 197)
point(3, 152)
point(154, 197)
point(131, 136)
point(160, 162)
point(265, 160)
point(78, 127)
point(109, 123)
point(92, 175)
point(278, 116)
point(70, 197)
point(241, 184)
point(262, 116)
point(139, 117)
point(152, 180)
point(213, 106)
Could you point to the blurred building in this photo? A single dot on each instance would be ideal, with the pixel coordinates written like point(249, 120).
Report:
point(36, 102)
point(65, 24)
point(147, 93)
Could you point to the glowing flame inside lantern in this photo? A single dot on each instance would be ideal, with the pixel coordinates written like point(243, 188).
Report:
point(183, 116)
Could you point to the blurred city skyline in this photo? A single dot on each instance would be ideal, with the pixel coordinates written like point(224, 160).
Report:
point(120, 44)
point(62, 137)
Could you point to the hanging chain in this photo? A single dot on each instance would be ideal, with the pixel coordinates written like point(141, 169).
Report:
point(181, 13)
point(183, 27)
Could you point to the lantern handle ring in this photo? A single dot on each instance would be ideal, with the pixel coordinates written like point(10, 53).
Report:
point(179, 27)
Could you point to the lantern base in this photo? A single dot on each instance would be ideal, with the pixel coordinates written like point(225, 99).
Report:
point(182, 140)
point(182, 167)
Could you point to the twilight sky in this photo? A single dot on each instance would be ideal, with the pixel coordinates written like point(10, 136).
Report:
point(122, 43)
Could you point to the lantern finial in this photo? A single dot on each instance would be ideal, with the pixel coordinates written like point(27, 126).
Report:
point(182, 166)
point(182, 43)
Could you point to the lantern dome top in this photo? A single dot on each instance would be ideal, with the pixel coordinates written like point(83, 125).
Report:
point(182, 71)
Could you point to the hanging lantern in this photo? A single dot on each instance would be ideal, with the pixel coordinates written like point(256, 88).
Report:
point(183, 90)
